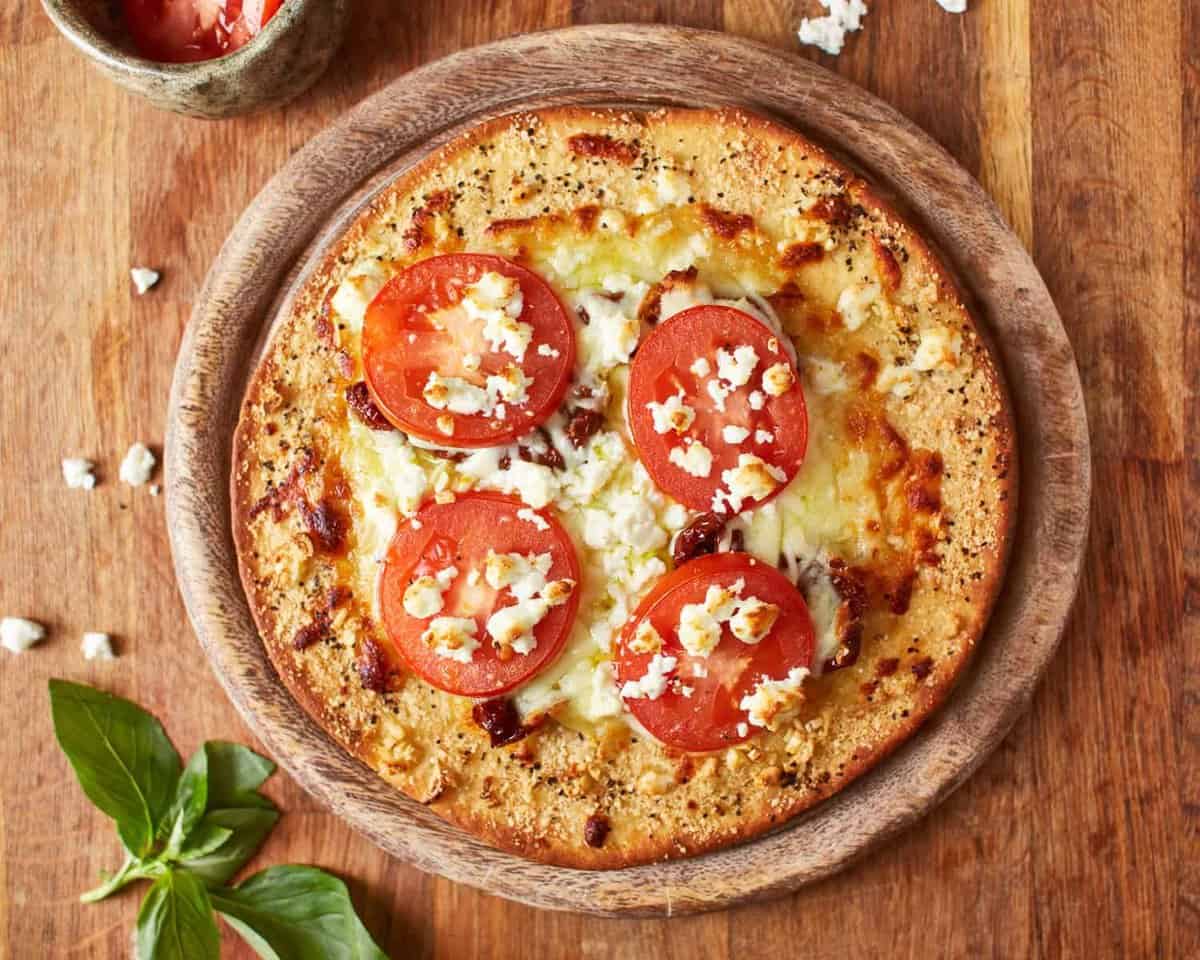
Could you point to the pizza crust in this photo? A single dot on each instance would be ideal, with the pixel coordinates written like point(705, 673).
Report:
point(535, 797)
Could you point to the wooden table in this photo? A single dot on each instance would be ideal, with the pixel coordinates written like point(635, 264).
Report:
point(1079, 837)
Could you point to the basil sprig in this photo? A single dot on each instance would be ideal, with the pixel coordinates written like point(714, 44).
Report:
point(189, 830)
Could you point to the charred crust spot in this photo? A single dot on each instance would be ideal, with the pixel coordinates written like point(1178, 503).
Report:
point(834, 209)
point(848, 623)
point(454, 456)
point(887, 666)
point(416, 236)
point(798, 254)
point(604, 146)
point(358, 399)
point(698, 538)
point(867, 367)
point(326, 525)
point(336, 596)
point(596, 829)
point(323, 326)
point(583, 423)
point(586, 216)
point(899, 594)
point(858, 424)
point(922, 668)
point(889, 267)
point(725, 224)
point(311, 633)
point(895, 450)
point(500, 720)
point(372, 665)
point(510, 224)
point(277, 498)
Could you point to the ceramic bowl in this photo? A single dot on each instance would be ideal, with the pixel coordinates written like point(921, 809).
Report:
point(290, 53)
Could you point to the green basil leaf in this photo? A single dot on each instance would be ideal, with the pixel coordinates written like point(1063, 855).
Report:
point(121, 757)
point(176, 921)
point(248, 828)
point(296, 913)
point(234, 775)
point(191, 799)
point(202, 841)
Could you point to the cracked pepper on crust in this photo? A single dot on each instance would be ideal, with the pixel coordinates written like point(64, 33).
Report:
point(896, 527)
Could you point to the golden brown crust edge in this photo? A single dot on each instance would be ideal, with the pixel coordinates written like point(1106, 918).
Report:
point(931, 695)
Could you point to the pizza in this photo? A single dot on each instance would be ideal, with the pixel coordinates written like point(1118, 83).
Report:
point(621, 485)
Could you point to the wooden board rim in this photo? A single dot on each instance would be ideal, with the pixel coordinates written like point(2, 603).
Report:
point(635, 65)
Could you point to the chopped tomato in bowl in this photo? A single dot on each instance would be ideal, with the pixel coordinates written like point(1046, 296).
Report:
point(185, 31)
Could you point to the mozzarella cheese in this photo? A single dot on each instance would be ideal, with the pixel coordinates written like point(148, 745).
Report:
point(621, 524)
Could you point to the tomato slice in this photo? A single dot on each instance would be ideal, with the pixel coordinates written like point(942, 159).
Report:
point(416, 326)
point(459, 534)
point(681, 356)
point(711, 717)
point(183, 31)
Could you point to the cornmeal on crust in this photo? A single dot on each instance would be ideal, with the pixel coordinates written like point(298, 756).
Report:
point(900, 519)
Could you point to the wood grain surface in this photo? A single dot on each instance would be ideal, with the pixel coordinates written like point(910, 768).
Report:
point(313, 199)
point(1079, 837)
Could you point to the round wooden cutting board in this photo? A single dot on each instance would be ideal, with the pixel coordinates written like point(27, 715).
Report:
point(321, 188)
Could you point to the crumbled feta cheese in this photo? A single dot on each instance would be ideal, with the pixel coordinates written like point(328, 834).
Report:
point(77, 472)
point(857, 303)
point(452, 638)
point(742, 730)
point(530, 516)
point(654, 684)
point(695, 459)
point(671, 187)
point(155, 489)
point(701, 367)
point(752, 479)
point(496, 300)
point(454, 394)
point(829, 32)
point(18, 634)
point(757, 400)
point(612, 331)
point(445, 425)
point(825, 376)
point(671, 414)
point(699, 631)
point(355, 293)
point(937, 349)
point(733, 434)
point(777, 379)
point(718, 391)
point(736, 367)
point(510, 386)
point(511, 627)
point(137, 465)
point(764, 436)
point(900, 381)
point(545, 350)
point(953, 6)
point(699, 670)
point(532, 482)
point(97, 646)
point(472, 362)
point(423, 598)
point(645, 638)
point(722, 602)
point(774, 701)
point(523, 574)
point(143, 279)
point(753, 620)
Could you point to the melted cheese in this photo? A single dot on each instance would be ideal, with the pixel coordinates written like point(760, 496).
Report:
point(622, 525)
